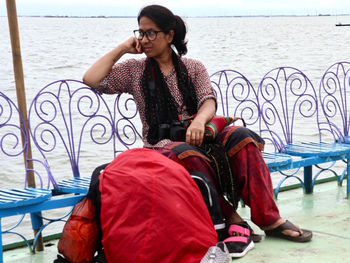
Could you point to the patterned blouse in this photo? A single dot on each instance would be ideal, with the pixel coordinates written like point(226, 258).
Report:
point(126, 76)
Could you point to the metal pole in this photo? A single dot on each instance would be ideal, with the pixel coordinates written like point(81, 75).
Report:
point(20, 89)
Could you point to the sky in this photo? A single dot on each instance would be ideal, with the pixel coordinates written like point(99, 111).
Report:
point(179, 7)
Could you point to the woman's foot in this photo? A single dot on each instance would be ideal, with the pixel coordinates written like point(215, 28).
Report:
point(286, 230)
point(235, 218)
point(240, 239)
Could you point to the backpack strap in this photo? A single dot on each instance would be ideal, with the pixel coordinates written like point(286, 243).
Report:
point(95, 195)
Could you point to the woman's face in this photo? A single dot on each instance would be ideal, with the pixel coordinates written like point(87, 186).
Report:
point(158, 47)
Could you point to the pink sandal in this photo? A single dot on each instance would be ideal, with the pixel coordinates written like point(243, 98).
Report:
point(240, 240)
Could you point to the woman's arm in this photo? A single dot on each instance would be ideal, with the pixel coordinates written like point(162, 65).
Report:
point(195, 132)
point(100, 69)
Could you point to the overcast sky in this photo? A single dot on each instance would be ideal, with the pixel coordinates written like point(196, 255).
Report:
point(180, 7)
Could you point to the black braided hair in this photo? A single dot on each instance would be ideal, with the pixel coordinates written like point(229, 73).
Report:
point(185, 85)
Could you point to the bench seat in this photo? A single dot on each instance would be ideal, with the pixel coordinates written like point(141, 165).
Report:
point(322, 149)
point(17, 197)
point(75, 185)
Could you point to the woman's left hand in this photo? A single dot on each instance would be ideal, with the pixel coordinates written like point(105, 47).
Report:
point(195, 133)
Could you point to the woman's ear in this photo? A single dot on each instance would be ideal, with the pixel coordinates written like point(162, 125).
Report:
point(170, 36)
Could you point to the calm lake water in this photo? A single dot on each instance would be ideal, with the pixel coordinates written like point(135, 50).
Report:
point(62, 48)
point(56, 48)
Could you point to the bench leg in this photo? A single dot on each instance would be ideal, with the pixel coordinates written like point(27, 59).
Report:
point(348, 178)
point(308, 179)
point(37, 223)
point(1, 252)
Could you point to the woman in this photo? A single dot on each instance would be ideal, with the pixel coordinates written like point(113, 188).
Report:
point(164, 85)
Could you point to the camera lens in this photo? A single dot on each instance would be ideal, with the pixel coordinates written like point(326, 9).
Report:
point(177, 132)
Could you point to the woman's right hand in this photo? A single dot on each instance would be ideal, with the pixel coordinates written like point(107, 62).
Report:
point(132, 46)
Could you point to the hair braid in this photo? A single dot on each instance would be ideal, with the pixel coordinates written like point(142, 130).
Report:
point(185, 85)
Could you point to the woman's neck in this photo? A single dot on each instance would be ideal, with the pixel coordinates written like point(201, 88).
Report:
point(165, 62)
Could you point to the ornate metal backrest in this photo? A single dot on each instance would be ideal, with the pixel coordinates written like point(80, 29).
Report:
point(334, 92)
point(236, 96)
point(127, 123)
point(288, 106)
point(12, 128)
point(69, 119)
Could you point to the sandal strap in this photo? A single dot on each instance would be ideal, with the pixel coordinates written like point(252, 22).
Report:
point(285, 226)
point(238, 229)
point(236, 239)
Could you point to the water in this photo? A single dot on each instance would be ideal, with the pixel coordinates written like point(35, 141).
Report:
point(60, 48)
point(54, 48)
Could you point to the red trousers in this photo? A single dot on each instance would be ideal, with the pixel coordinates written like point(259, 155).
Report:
point(254, 186)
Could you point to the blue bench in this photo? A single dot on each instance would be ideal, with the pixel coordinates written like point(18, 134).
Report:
point(289, 106)
point(284, 99)
point(21, 201)
point(73, 129)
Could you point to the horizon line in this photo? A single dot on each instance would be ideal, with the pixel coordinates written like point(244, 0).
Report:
point(203, 16)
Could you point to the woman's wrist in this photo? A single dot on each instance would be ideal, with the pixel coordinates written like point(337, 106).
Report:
point(118, 52)
point(201, 119)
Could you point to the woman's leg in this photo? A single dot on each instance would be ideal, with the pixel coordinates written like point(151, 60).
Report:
point(253, 178)
point(254, 185)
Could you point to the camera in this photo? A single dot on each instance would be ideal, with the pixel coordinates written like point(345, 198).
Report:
point(173, 131)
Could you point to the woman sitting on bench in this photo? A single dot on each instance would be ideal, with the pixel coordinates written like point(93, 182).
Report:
point(166, 85)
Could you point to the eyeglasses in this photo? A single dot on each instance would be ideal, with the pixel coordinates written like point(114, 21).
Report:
point(150, 34)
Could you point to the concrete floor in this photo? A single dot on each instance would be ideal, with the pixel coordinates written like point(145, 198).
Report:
point(326, 212)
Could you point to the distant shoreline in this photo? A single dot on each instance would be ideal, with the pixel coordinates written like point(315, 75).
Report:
point(66, 16)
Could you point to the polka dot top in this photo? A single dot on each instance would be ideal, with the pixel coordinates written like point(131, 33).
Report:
point(126, 76)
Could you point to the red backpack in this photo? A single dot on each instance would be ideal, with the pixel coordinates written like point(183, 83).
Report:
point(152, 211)
point(78, 242)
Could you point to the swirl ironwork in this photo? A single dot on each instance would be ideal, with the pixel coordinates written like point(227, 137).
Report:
point(125, 116)
point(334, 92)
point(85, 115)
point(284, 94)
point(12, 128)
point(236, 96)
